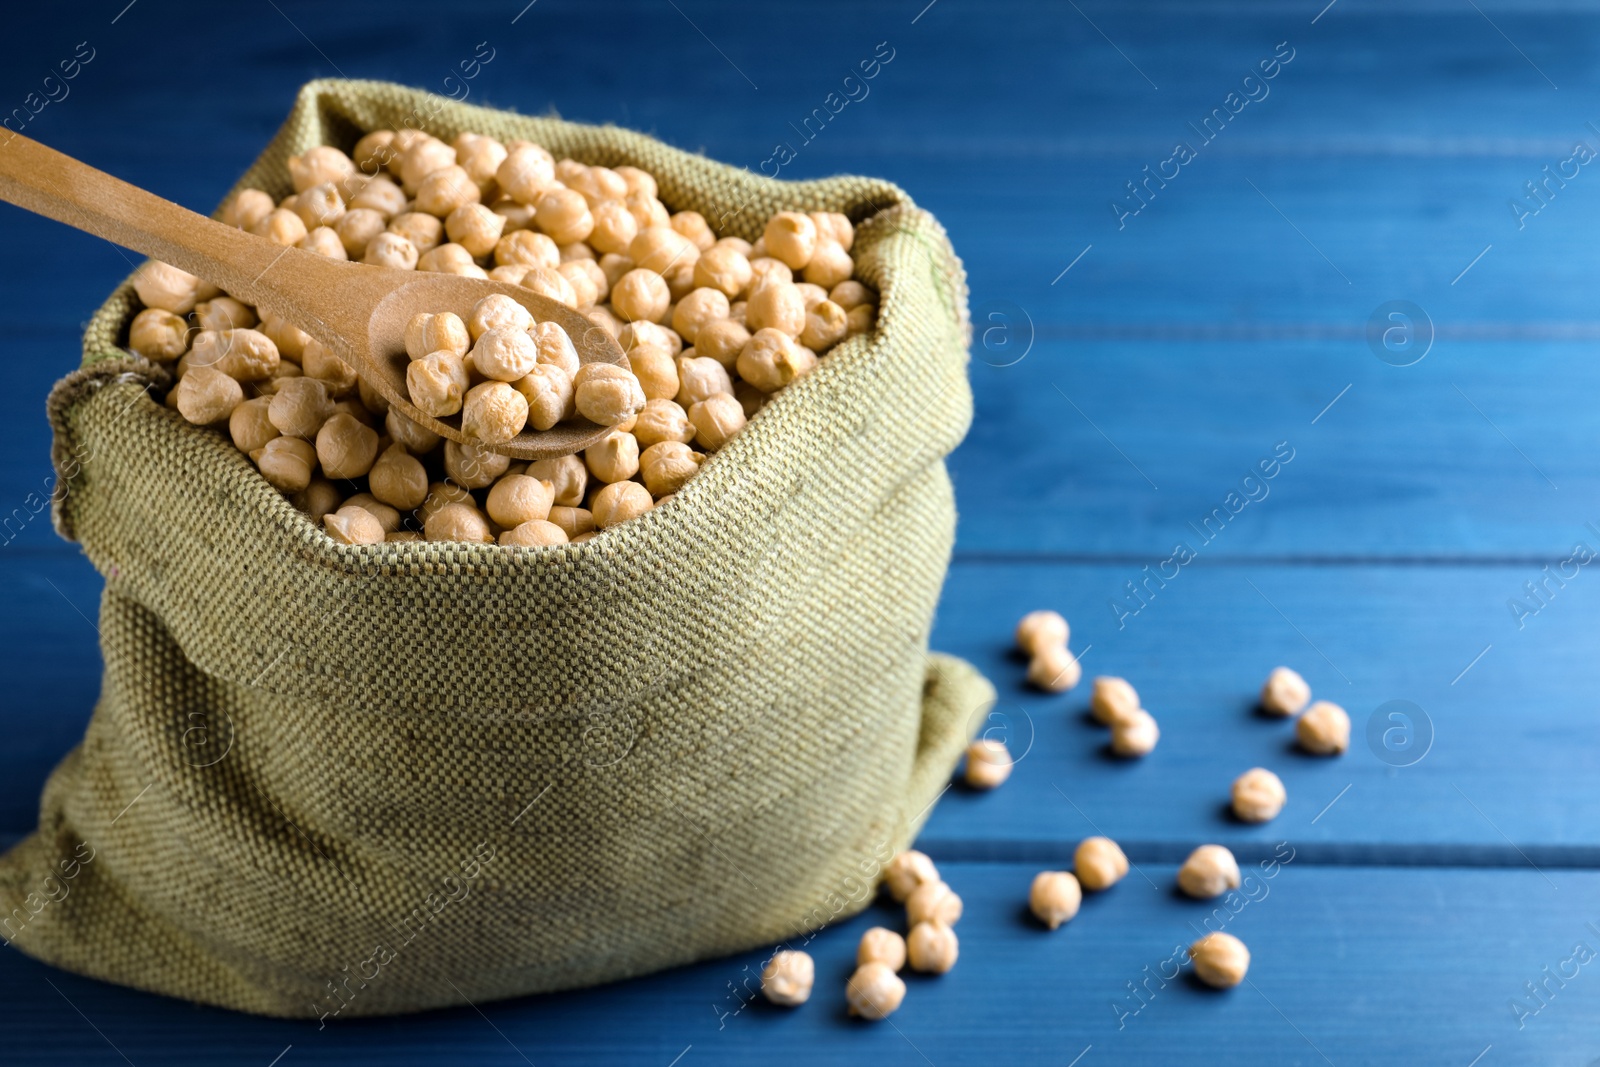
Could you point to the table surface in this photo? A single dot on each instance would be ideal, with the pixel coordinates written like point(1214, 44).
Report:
point(1140, 352)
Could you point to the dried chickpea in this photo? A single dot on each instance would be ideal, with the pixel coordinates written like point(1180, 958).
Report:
point(790, 237)
point(715, 420)
point(614, 228)
point(751, 399)
point(287, 463)
point(874, 991)
point(250, 426)
point(420, 156)
point(518, 216)
point(1284, 692)
point(471, 467)
point(1135, 734)
point(933, 901)
point(988, 764)
point(771, 360)
point(619, 502)
point(353, 526)
point(606, 394)
point(861, 319)
point(512, 275)
point(526, 248)
point(205, 395)
point(574, 522)
point(440, 494)
point(738, 244)
point(346, 448)
point(555, 347)
point(882, 945)
point(564, 215)
point(517, 498)
point(505, 353)
point(640, 294)
point(667, 465)
point(320, 205)
point(475, 228)
point(1112, 699)
point(380, 195)
point(525, 173)
point(722, 341)
point(1055, 897)
point(908, 871)
point(588, 281)
point(533, 534)
point(1210, 871)
point(764, 271)
point(829, 265)
point(1258, 795)
point(458, 522)
point(247, 208)
point(446, 189)
point(1324, 729)
point(693, 226)
point(811, 295)
point(694, 311)
point(567, 475)
point(832, 226)
point(637, 181)
point(437, 384)
point(660, 248)
point(290, 339)
point(398, 479)
point(778, 305)
point(319, 498)
point(613, 458)
point(787, 978)
point(224, 313)
point(481, 157)
point(281, 226)
point(390, 249)
point(417, 438)
point(300, 407)
point(647, 211)
point(421, 229)
point(372, 402)
point(1099, 863)
point(157, 335)
point(243, 355)
point(429, 332)
point(357, 229)
point(851, 295)
point(548, 391)
point(614, 267)
point(551, 283)
point(168, 288)
point(932, 947)
point(662, 421)
point(1040, 630)
point(826, 325)
point(445, 259)
point(323, 163)
point(387, 517)
point(1220, 960)
point(656, 371)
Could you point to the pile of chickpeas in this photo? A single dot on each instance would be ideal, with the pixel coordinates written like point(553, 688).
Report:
point(711, 328)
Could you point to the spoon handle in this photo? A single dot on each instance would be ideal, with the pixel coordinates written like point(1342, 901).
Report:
point(54, 185)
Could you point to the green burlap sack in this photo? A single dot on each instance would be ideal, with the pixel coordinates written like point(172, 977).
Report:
point(331, 780)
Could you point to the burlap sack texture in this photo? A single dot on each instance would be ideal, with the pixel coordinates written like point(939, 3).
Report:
point(328, 780)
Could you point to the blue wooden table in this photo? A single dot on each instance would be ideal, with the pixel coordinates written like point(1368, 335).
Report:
point(1153, 322)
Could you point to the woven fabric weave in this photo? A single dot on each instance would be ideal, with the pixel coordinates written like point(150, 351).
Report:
point(328, 780)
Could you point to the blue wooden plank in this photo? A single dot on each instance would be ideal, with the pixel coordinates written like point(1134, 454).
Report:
point(1349, 965)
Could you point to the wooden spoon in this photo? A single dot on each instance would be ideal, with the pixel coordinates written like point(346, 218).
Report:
point(357, 310)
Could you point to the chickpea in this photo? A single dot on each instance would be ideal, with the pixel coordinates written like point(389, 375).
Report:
point(1135, 735)
point(475, 228)
point(988, 763)
point(832, 226)
point(421, 229)
point(505, 353)
point(701, 378)
point(1258, 795)
point(157, 335)
point(319, 498)
point(324, 242)
point(764, 271)
point(320, 205)
point(346, 448)
point(716, 419)
point(526, 173)
point(207, 396)
point(580, 274)
point(667, 465)
point(224, 313)
point(721, 340)
point(480, 157)
point(619, 502)
point(1284, 692)
point(662, 421)
point(1324, 729)
point(1220, 960)
point(574, 522)
point(874, 991)
point(656, 371)
point(555, 347)
point(446, 259)
point(510, 275)
point(932, 947)
point(851, 295)
point(417, 439)
point(356, 230)
point(640, 294)
point(1099, 863)
point(771, 360)
point(398, 479)
point(318, 362)
point(323, 163)
point(471, 467)
point(381, 196)
point(1210, 871)
point(606, 394)
point(882, 945)
point(700, 307)
point(1112, 699)
point(548, 391)
point(908, 871)
point(493, 412)
point(440, 494)
point(248, 207)
point(829, 265)
point(427, 333)
point(810, 295)
point(1055, 897)
point(300, 407)
point(290, 339)
point(353, 526)
point(567, 475)
point(517, 498)
point(534, 534)
point(458, 522)
point(287, 463)
point(861, 320)
point(550, 283)
point(637, 181)
point(614, 228)
point(243, 355)
point(1039, 630)
point(1055, 669)
point(390, 249)
point(525, 248)
point(613, 458)
point(437, 384)
point(736, 311)
point(168, 288)
point(614, 267)
point(250, 426)
point(791, 238)
point(787, 978)
point(564, 215)
point(445, 190)
point(659, 248)
point(933, 901)
point(826, 325)
point(778, 305)
point(280, 226)
point(751, 399)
